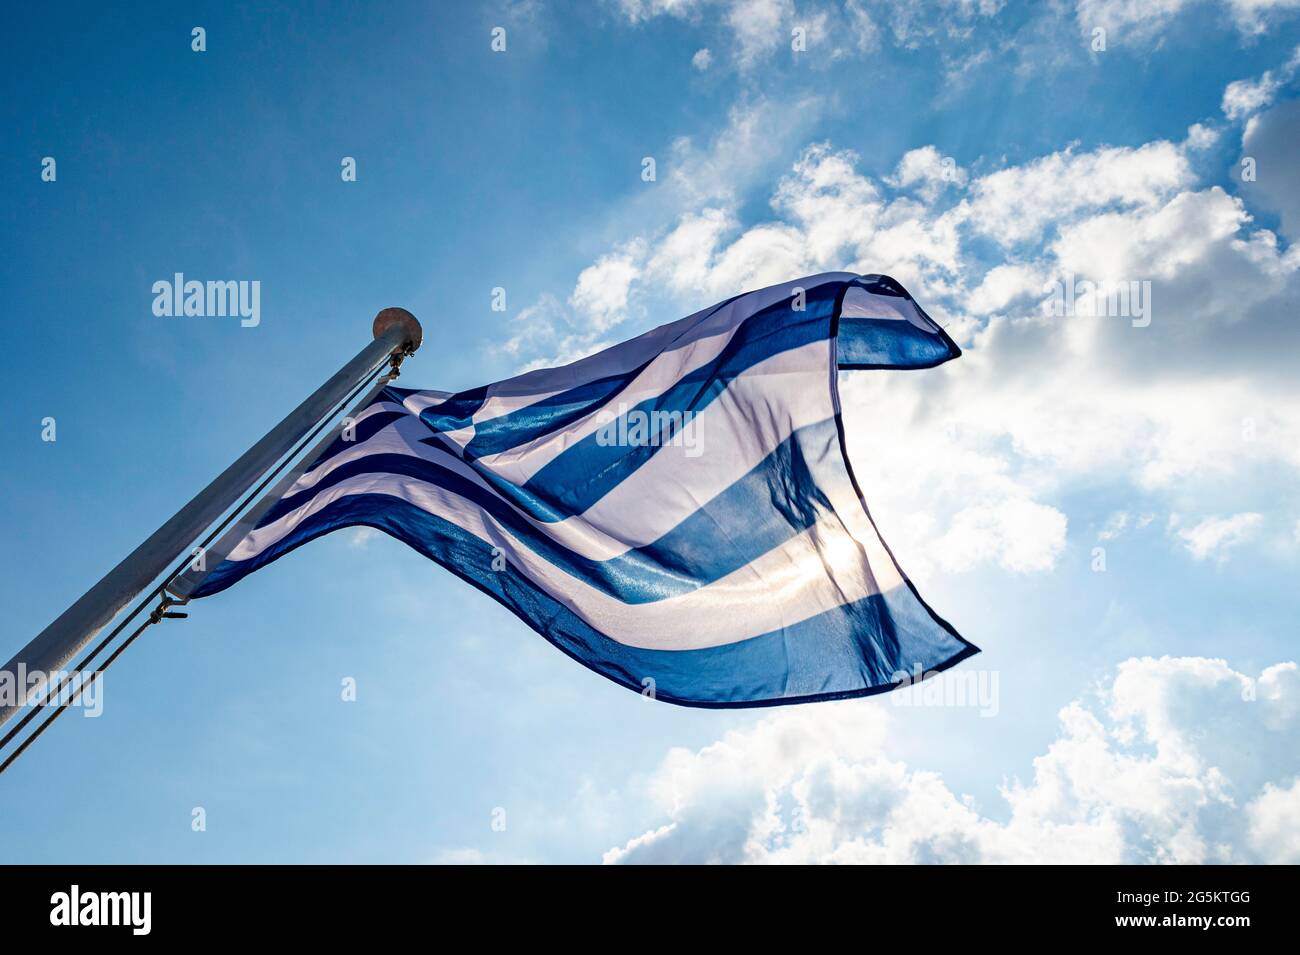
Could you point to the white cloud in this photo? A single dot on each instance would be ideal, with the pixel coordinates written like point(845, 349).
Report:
point(1115, 525)
point(702, 59)
point(1272, 140)
point(861, 26)
point(547, 335)
point(1004, 284)
point(1275, 824)
point(1215, 536)
point(740, 152)
point(1243, 97)
point(1133, 21)
point(1020, 535)
point(360, 537)
point(760, 26)
point(944, 22)
point(1257, 16)
point(928, 171)
point(1200, 136)
point(1154, 770)
point(1128, 20)
point(1018, 203)
point(602, 290)
point(759, 29)
point(638, 11)
point(832, 216)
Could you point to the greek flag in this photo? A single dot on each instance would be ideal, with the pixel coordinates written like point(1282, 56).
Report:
point(676, 512)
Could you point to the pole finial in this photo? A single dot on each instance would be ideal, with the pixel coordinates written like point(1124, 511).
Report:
point(389, 317)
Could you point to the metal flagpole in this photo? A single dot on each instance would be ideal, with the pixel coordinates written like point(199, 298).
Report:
point(396, 334)
point(186, 582)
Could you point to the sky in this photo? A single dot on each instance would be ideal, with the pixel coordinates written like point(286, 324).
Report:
point(1103, 498)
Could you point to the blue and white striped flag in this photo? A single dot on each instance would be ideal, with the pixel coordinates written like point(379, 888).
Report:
point(676, 512)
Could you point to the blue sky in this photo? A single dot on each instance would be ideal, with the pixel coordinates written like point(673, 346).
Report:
point(974, 150)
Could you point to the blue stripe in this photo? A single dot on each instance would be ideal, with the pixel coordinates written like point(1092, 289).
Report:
point(776, 500)
point(883, 343)
point(854, 650)
point(455, 412)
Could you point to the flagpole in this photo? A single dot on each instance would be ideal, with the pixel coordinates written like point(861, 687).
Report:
point(186, 582)
point(396, 335)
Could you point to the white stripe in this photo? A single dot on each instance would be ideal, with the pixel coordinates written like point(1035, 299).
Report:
point(859, 303)
point(375, 408)
point(496, 405)
point(462, 436)
point(401, 436)
point(419, 400)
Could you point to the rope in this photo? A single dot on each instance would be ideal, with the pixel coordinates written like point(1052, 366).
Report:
point(159, 613)
point(154, 617)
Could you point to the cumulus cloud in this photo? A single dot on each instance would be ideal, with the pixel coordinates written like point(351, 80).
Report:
point(1275, 824)
point(1215, 536)
point(927, 171)
point(1243, 97)
point(1004, 284)
point(1018, 203)
point(1158, 767)
point(1272, 141)
point(602, 290)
